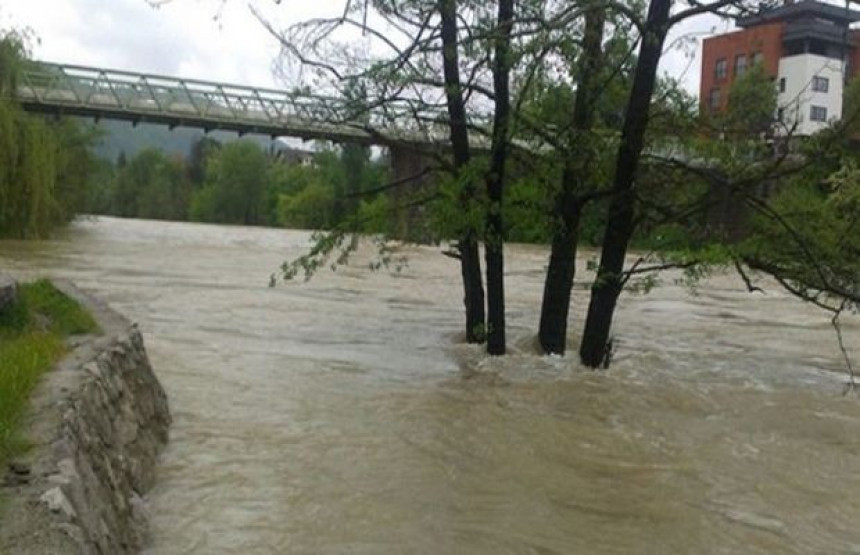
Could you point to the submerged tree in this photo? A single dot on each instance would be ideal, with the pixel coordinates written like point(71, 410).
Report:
point(620, 224)
point(424, 88)
point(494, 236)
point(467, 243)
point(596, 346)
point(573, 192)
point(451, 67)
point(455, 66)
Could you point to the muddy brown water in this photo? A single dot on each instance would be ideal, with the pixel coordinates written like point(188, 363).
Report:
point(344, 415)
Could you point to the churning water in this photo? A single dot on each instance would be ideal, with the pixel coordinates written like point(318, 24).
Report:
point(345, 415)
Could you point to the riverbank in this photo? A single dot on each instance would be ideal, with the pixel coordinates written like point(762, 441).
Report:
point(94, 428)
point(35, 322)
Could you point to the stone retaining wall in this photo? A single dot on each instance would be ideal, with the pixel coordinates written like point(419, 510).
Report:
point(98, 422)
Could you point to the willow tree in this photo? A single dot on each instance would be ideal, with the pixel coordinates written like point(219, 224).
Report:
point(45, 165)
point(28, 154)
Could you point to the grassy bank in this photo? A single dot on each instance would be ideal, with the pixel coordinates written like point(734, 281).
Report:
point(32, 338)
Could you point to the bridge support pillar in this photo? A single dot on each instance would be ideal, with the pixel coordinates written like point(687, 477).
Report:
point(413, 172)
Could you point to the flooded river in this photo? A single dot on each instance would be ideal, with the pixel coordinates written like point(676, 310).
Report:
point(344, 415)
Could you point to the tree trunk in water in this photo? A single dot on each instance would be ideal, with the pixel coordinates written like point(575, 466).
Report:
point(494, 240)
point(470, 269)
point(555, 308)
point(470, 262)
point(552, 333)
point(596, 347)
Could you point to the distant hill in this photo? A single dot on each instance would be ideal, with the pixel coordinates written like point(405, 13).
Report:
point(120, 136)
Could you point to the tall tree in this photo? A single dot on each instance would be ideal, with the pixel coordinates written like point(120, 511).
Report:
point(31, 204)
point(596, 347)
point(470, 264)
point(494, 237)
point(201, 149)
point(354, 157)
point(235, 181)
point(570, 200)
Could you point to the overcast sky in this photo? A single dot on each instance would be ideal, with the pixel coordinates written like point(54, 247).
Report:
point(204, 39)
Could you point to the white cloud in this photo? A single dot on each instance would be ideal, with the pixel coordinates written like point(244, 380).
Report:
point(193, 39)
point(208, 39)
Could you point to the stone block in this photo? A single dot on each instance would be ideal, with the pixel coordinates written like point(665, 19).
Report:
point(57, 502)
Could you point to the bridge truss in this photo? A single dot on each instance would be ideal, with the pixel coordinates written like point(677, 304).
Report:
point(136, 97)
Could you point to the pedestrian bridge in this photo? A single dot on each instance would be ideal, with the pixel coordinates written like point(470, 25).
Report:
point(64, 89)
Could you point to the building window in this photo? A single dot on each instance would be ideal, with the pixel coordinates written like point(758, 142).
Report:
point(740, 65)
point(757, 58)
point(818, 113)
point(780, 115)
point(820, 84)
point(714, 99)
point(782, 84)
point(721, 70)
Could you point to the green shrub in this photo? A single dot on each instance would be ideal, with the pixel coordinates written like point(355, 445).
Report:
point(65, 315)
point(374, 216)
point(22, 362)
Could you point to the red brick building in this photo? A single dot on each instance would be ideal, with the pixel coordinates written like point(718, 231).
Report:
point(806, 47)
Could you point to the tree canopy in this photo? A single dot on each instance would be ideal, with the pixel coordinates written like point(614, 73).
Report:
point(44, 165)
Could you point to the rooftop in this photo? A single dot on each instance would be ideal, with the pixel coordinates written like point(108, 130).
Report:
point(805, 9)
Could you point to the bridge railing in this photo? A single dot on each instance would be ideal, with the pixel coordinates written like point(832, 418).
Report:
point(191, 101)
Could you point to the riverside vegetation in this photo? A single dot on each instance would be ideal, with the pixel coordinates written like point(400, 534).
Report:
point(45, 165)
point(33, 333)
point(238, 182)
point(49, 173)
